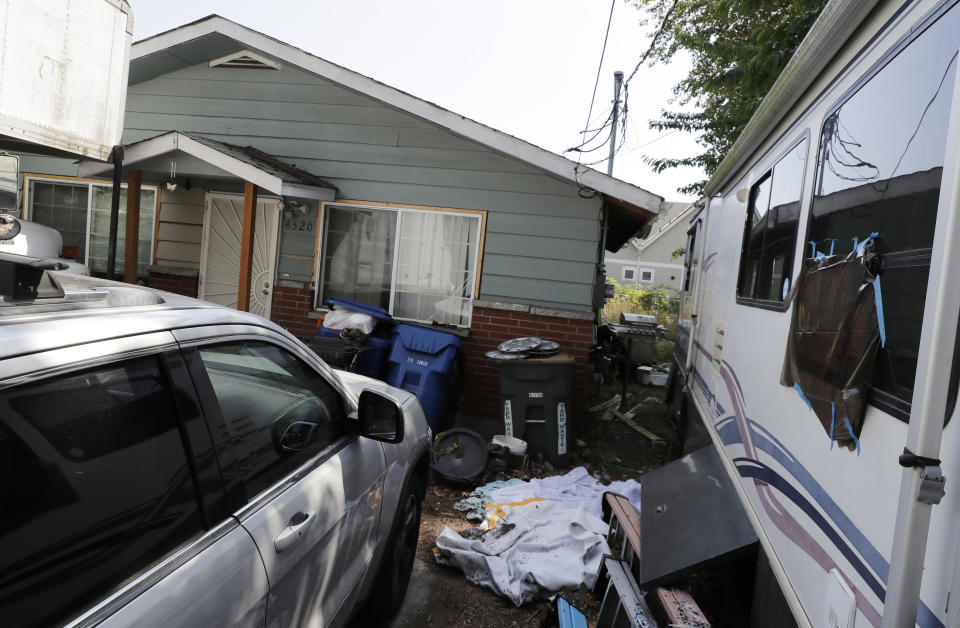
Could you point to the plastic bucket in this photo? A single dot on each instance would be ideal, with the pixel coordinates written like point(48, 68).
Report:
point(515, 445)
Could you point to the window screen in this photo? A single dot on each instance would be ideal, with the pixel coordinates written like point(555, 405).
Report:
point(770, 233)
point(100, 230)
point(418, 265)
point(628, 273)
point(95, 486)
point(62, 206)
point(278, 413)
point(879, 172)
point(67, 207)
point(358, 254)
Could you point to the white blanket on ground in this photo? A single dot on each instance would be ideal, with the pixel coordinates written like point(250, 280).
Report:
point(537, 546)
point(573, 489)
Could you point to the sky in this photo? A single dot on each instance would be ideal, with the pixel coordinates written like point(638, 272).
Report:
point(525, 67)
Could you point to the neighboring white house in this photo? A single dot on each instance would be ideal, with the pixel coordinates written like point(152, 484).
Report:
point(651, 261)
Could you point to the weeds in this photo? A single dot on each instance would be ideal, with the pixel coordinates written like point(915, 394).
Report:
point(635, 299)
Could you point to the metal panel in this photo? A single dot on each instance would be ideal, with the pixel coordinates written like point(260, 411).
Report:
point(676, 534)
point(64, 68)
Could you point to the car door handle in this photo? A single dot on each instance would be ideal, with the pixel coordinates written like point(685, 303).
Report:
point(294, 531)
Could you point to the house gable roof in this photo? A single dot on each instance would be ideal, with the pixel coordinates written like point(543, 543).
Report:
point(215, 36)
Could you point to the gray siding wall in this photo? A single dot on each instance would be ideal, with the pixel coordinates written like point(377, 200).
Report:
point(541, 237)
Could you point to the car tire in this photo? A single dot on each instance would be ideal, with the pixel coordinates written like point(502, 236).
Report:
point(390, 587)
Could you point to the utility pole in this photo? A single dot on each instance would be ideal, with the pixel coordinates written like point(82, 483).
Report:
point(617, 83)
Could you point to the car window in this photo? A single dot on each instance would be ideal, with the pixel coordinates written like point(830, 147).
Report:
point(277, 412)
point(94, 486)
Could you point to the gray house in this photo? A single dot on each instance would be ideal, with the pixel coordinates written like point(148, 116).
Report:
point(651, 260)
point(271, 180)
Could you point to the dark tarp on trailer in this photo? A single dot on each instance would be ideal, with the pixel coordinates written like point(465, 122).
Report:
point(835, 333)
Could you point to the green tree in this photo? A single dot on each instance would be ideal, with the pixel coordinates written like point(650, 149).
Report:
point(738, 48)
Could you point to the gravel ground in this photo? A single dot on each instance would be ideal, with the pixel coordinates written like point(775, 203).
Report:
point(610, 449)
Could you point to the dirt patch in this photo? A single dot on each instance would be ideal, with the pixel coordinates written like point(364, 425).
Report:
point(609, 448)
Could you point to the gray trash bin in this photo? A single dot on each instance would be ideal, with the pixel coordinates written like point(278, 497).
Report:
point(535, 397)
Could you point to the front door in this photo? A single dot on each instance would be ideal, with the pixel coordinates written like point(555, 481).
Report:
point(220, 253)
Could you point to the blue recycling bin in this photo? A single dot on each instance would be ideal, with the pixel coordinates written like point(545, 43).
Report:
point(426, 362)
point(371, 361)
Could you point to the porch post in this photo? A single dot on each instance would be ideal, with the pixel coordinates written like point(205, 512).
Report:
point(246, 245)
point(132, 237)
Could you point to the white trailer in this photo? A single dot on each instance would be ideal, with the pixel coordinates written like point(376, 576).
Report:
point(63, 86)
point(63, 73)
point(858, 140)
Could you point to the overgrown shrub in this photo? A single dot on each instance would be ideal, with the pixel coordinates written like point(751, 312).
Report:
point(637, 299)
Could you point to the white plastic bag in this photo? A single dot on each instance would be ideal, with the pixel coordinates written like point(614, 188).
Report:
point(348, 319)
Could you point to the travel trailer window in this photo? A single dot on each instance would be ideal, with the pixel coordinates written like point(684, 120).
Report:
point(770, 232)
point(417, 264)
point(879, 172)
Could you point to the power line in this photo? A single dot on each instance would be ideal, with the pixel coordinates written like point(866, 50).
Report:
point(603, 52)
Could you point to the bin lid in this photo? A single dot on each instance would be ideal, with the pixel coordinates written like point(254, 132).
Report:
point(637, 319)
point(423, 339)
point(364, 308)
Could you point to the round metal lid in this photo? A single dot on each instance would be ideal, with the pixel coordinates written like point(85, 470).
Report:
point(519, 345)
point(500, 355)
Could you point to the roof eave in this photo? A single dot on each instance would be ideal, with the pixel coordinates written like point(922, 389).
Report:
point(455, 123)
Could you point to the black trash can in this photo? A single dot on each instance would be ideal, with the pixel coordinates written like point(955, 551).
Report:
point(535, 397)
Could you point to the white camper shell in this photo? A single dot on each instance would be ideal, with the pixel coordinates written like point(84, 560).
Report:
point(858, 140)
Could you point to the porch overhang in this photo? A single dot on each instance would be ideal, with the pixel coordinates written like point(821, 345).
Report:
point(202, 157)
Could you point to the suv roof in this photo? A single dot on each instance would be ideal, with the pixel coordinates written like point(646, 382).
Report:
point(89, 309)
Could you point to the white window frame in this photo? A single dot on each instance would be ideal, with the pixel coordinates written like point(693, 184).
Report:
point(623, 273)
point(399, 209)
point(640, 272)
point(27, 207)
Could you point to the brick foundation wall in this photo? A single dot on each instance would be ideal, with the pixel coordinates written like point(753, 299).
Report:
point(181, 281)
point(292, 304)
point(480, 394)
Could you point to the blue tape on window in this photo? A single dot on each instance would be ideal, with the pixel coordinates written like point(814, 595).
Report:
point(852, 435)
point(855, 240)
point(803, 396)
point(873, 235)
point(833, 242)
point(833, 416)
point(813, 248)
point(879, 301)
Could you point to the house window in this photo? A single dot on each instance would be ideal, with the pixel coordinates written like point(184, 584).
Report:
point(80, 211)
point(770, 232)
point(629, 274)
point(419, 265)
point(646, 276)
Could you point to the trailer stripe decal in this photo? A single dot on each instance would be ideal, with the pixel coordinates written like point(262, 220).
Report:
point(764, 473)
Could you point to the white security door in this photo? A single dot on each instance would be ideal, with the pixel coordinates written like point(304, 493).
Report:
point(220, 255)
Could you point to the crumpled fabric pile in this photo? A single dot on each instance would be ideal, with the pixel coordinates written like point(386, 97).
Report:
point(537, 538)
point(574, 488)
point(476, 504)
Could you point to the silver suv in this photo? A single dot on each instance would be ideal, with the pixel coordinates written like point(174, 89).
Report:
point(167, 462)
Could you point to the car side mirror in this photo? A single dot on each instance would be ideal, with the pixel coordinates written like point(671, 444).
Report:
point(381, 418)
